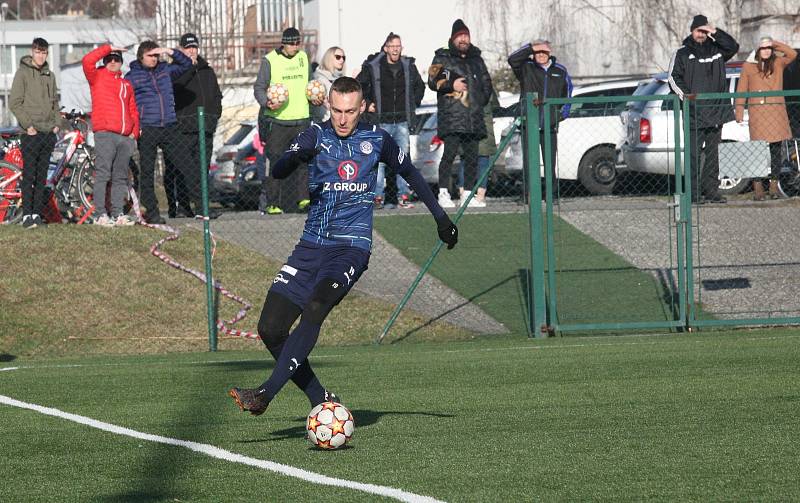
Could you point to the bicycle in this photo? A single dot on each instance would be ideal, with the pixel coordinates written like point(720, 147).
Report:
point(70, 176)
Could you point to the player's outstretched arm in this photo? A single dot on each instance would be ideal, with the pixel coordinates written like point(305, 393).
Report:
point(396, 158)
point(302, 150)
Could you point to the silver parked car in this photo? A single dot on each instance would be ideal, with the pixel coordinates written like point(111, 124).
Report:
point(649, 143)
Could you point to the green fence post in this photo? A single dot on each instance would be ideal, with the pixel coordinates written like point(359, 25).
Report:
point(684, 210)
point(549, 171)
point(689, 170)
point(212, 322)
point(536, 287)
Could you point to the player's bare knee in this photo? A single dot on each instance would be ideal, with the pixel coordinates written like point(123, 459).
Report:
point(327, 294)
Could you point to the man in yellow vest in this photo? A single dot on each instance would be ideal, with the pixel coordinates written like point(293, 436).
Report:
point(280, 122)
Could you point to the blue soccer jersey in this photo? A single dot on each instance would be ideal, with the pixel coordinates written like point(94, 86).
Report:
point(342, 178)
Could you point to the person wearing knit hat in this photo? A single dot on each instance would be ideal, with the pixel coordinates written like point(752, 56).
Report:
point(463, 87)
point(280, 121)
point(768, 119)
point(698, 66)
point(537, 71)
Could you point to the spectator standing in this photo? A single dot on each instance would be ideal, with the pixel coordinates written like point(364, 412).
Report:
point(195, 88)
point(699, 67)
point(393, 89)
point(331, 68)
point(767, 117)
point(152, 83)
point(463, 86)
point(115, 122)
point(486, 149)
point(538, 72)
point(34, 102)
point(279, 123)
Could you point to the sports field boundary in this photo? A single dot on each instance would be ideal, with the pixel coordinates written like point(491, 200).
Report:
point(219, 453)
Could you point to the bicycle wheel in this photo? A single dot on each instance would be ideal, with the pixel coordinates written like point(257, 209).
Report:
point(85, 182)
point(10, 193)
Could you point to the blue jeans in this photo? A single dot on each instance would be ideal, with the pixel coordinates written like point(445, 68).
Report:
point(398, 131)
point(483, 166)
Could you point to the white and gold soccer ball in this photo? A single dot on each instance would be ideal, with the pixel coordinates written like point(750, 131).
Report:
point(330, 425)
point(277, 93)
point(315, 90)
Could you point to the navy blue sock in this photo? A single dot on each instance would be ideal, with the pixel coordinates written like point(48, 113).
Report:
point(294, 353)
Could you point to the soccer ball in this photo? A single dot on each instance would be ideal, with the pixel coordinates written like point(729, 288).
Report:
point(277, 93)
point(315, 90)
point(330, 425)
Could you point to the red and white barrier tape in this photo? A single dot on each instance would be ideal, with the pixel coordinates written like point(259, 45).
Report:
point(174, 234)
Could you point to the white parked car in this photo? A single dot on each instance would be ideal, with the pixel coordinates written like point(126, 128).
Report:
point(649, 144)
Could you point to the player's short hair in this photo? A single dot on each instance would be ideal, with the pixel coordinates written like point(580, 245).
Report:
point(40, 44)
point(391, 36)
point(146, 46)
point(346, 85)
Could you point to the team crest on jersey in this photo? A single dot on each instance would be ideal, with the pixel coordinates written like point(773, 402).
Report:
point(400, 156)
point(366, 147)
point(348, 170)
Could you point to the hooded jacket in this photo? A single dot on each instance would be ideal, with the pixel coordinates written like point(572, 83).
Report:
point(113, 102)
point(700, 68)
point(379, 88)
point(198, 87)
point(321, 113)
point(458, 112)
point(153, 88)
point(34, 96)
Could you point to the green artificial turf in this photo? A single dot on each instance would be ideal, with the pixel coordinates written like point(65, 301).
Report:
point(490, 265)
point(671, 418)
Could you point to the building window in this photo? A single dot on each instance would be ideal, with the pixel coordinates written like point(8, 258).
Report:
point(73, 53)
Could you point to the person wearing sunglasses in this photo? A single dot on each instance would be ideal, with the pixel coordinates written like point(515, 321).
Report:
point(393, 89)
point(280, 121)
point(331, 68)
point(115, 122)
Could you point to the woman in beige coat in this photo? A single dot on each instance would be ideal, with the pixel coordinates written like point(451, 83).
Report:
point(763, 71)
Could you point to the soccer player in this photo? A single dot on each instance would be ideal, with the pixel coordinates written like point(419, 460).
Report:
point(334, 250)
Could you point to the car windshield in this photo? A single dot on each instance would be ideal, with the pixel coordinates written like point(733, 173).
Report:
point(239, 135)
point(651, 88)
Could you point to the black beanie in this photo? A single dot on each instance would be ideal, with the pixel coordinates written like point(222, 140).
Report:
point(458, 28)
point(697, 21)
point(290, 36)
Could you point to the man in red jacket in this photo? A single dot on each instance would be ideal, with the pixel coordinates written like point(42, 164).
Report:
point(115, 122)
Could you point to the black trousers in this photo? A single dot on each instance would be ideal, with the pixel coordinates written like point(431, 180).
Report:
point(704, 151)
point(170, 141)
point(454, 143)
point(282, 193)
point(36, 151)
point(182, 182)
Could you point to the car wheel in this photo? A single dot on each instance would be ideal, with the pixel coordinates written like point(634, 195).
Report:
point(597, 171)
point(730, 186)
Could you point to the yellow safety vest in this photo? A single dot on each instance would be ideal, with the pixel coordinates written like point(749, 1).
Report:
point(292, 73)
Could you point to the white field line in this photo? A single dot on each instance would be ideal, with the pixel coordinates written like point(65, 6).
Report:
point(216, 452)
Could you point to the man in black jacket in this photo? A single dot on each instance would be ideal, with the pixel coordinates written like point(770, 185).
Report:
point(699, 67)
point(393, 89)
point(463, 87)
point(538, 72)
point(198, 87)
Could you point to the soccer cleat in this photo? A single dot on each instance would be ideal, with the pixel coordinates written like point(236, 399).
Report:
point(329, 397)
point(38, 222)
point(405, 202)
point(445, 201)
point(253, 401)
point(304, 204)
point(274, 210)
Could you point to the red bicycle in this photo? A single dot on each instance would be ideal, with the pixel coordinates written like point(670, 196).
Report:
point(70, 176)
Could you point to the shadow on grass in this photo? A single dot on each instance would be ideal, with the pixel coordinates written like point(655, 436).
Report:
point(362, 417)
point(5, 357)
point(455, 308)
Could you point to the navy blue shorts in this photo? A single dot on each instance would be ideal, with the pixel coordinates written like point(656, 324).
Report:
point(310, 263)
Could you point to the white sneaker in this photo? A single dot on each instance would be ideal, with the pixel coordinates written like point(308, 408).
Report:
point(477, 203)
point(104, 221)
point(444, 199)
point(124, 221)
